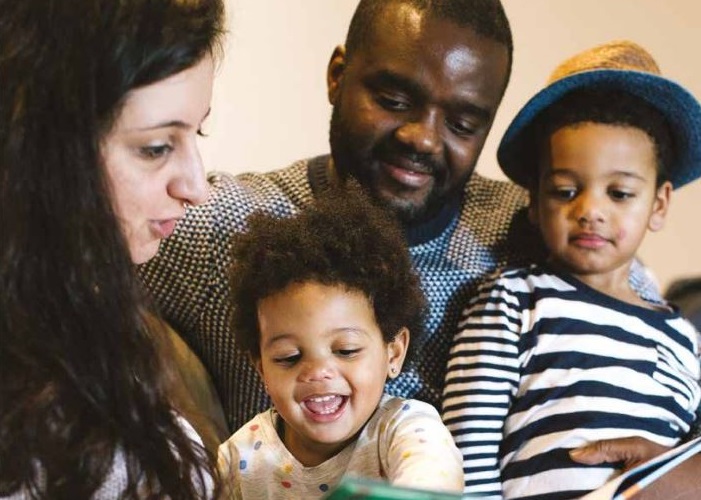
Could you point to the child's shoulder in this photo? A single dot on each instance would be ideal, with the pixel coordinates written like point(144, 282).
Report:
point(527, 279)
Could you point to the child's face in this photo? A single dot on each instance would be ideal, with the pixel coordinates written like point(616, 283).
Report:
point(597, 197)
point(325, 363)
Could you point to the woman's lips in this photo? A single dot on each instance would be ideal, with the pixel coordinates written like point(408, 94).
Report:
point(164, 228)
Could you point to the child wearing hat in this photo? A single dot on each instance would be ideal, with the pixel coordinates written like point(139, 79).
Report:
point(559, 354)
point(326, 301)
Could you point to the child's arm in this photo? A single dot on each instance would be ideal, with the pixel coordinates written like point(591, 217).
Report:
point(482, 375)
point(417, 449)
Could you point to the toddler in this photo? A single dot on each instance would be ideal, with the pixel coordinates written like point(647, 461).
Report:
point(325, 303)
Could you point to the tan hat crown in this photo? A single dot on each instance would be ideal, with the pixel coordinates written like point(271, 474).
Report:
point(618, 55)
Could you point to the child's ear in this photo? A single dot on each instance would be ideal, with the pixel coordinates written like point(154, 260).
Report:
point(533, 207)
point(660, 206)
point(396, 352)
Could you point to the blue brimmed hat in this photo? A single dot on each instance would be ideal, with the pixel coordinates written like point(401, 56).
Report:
point(620, 65)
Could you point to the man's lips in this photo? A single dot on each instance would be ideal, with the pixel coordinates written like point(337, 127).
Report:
point(589, 240)
point(407, 174)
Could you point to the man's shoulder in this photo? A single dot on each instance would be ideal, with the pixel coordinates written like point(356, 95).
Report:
point(485, 192)
point(281, 191)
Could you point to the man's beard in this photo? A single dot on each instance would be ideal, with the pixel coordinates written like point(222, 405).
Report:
point(357, 162)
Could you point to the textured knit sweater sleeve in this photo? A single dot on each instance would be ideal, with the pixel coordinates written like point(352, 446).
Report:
point(483, 372)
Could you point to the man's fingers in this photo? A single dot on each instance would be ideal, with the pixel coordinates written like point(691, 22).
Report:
point(632, 451)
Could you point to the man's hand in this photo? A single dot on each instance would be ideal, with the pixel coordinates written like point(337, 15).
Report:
point(681, 483)
point(631, 451)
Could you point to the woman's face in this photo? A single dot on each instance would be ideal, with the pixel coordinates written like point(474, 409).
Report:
point(152, 160)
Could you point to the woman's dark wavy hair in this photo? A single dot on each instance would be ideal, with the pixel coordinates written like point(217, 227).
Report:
point(343, 239)
point(81, 372)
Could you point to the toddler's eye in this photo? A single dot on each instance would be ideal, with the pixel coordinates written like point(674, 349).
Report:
point(287, 360)
point(348, 353)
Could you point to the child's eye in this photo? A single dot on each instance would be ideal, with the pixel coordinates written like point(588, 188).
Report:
point(620, 195)
point(155, 152)
point(287, 360)
point(563, 193)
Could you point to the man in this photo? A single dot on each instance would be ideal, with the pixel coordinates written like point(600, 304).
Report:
point(414, 93)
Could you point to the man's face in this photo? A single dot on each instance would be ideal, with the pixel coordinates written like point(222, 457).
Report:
point(413, 107)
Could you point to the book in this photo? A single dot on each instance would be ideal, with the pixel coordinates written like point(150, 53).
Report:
point(623, 487)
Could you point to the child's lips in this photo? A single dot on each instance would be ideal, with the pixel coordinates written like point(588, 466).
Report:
point(589, 240)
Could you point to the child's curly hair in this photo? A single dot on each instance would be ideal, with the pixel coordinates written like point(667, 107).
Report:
point(345, 240)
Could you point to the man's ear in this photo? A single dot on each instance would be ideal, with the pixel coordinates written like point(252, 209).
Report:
point(660, 206)
point(334, 73)
point(396, 352)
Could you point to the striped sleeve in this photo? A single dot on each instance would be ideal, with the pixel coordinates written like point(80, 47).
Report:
point(482, 376)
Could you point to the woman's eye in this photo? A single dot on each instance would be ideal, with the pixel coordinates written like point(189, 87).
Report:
point(156, 151)
point(201, 132)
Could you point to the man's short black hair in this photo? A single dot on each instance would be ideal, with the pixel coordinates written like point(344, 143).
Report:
point(485, 17)
point(606, 106)
point(344, 240)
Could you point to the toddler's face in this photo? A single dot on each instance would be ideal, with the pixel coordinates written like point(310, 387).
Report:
point(325, 363)
point(597, 197)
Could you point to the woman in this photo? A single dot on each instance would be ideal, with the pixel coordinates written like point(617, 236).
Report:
point(100, 105)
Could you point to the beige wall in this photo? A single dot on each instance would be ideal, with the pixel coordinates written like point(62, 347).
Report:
point(270, 103)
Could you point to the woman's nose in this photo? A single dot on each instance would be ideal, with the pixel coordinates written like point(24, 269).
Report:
point(190, 184)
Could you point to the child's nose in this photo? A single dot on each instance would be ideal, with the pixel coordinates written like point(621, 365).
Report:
point(589, 209)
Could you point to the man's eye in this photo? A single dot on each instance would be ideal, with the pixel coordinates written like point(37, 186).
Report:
point(392, 103)
point(155, 152)
point(461, 128)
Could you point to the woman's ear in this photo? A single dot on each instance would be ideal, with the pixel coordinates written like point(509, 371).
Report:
point(396, 352)
point(334, 73)
point(660, 206)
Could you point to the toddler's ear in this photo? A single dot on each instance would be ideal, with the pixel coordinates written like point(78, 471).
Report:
point(660, 207)
point(396, 352)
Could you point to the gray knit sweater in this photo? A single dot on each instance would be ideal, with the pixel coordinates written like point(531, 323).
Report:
point(485, 229)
